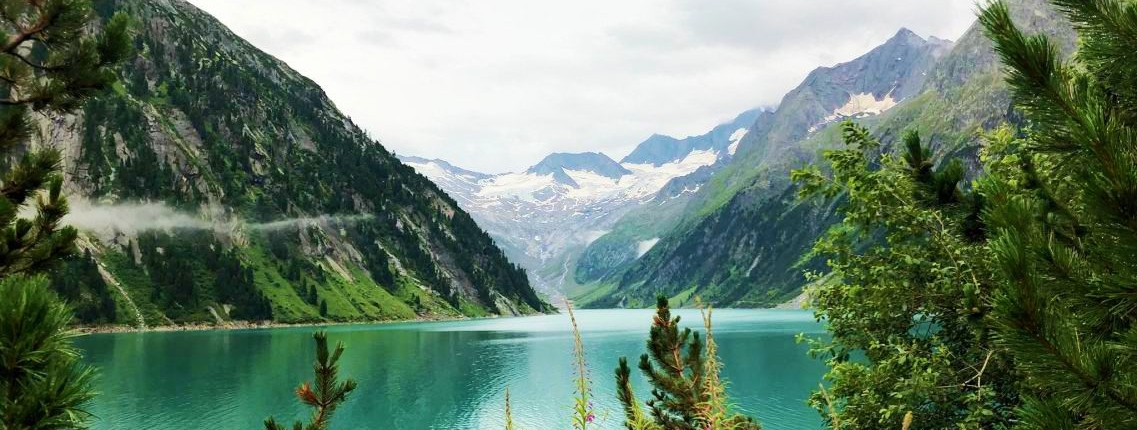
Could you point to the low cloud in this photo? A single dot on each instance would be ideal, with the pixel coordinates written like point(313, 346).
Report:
point(132, 218)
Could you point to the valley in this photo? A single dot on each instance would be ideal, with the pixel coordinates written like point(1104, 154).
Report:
point(616, 234)
point(897, 231)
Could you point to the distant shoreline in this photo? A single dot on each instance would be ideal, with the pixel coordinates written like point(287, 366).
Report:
point(84, 330)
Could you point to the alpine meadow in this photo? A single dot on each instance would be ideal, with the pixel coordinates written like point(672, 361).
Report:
point(884, 215)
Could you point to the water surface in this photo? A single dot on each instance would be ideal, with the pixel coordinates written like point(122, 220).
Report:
point(434, 375)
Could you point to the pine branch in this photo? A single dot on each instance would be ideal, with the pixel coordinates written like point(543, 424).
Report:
point(329, 393)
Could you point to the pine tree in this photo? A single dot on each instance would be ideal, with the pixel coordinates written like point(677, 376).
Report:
point(42, 384)
point(313, 296)
point(1065, 220)
point(687, 392)
point(326, 394)
point(49, 63)
point(908, 288)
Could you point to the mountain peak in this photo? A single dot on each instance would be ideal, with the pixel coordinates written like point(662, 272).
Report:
point(906, 35)
point(413, 160)
point(558, 162)
point(661, 149)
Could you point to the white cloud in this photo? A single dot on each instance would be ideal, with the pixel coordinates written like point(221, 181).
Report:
point(494, 85)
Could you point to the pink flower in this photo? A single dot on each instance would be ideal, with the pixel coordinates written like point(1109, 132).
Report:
point(591, 417)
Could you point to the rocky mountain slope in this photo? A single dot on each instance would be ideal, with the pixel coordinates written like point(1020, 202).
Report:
point(543, 217)
point(862, 88)
point(216, 183)
point(741, 240)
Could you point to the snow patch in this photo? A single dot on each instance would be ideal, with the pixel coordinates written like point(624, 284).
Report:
point(644, 246)
point(863, 104)
point(735, 138)
point(591, 235)
point(686, 190)
point(518, 185)
point(859, 106)
point(649, 179)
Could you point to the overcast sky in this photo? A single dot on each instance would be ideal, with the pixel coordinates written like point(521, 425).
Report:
point(495, 85)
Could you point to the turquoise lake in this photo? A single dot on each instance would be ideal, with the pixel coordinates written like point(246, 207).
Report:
point(435, 375)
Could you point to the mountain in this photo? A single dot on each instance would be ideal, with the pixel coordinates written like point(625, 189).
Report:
point(862, 88)
point(740, 241)
point(543, 217)
point(659, 149)
point(446, 166)
point(559, 165)
point(866, 86)
point(215, 183)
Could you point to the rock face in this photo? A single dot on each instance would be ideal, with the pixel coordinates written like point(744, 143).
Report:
point(311, 218)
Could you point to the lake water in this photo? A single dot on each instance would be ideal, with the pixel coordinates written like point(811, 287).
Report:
point(434, 375)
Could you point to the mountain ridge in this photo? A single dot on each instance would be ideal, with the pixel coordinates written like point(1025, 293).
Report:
point(659, 149)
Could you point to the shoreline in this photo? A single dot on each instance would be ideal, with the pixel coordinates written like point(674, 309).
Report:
point(84, 330)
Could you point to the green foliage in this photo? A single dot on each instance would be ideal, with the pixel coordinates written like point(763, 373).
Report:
point(687, 394)
point(634, 417)
point(49, 63)
point(190, 270)
point(907, 290)
point(42, 384)
point(1064, 217)
point(77, 280)
point(723, 275)
point(324, 395)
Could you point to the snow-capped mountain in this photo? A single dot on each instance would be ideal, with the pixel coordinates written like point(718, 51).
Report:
point(659, 149)
point(544, 216)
